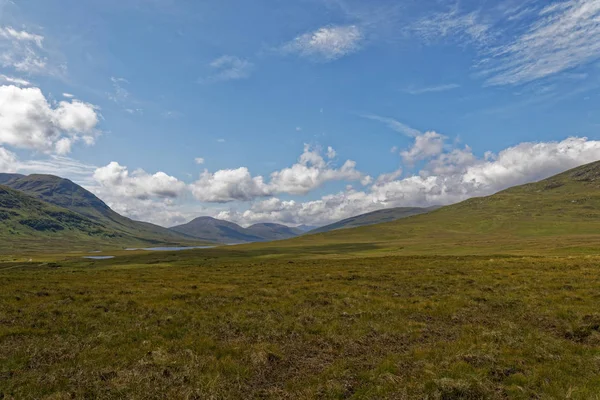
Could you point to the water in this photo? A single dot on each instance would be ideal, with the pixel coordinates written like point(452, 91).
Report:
point(99, 257)
point(173, 248)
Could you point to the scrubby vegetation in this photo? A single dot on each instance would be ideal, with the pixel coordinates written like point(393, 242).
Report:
point(196, 325)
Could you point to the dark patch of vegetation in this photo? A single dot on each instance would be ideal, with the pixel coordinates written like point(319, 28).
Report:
point(42, 225)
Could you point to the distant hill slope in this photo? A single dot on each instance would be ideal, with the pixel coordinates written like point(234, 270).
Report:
point(306, 228)
point(8, 177)
point(556, 215)
point(211, 229)
point(273, 231)
point(65, 194)
point(27, 222)
point(375, 217)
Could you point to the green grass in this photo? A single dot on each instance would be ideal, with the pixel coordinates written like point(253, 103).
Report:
point(192, 325)
point(492, 298)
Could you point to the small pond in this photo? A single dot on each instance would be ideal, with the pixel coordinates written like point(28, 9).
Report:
point(99, 257)
point(172, 248)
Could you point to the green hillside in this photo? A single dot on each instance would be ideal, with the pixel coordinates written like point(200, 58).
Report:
point(110, 228)
point(375, 217)
point(555, 215)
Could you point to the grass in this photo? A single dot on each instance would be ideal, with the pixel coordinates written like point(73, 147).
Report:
point(197, 325)
point(492, 298)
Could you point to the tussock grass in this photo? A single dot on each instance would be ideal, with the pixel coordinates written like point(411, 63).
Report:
point(185, 326)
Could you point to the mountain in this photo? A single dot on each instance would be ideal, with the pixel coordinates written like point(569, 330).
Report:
point(273, 231)
point(553, 216)
point(375, 217)
point(8, 177)
point(306, 228)
point(211, 229)
point(66, 195)
point(26, 223)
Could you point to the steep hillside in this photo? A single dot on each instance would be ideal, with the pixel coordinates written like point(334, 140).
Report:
point(211, 229)
point(555, 215)
point(26, 222)
point(375, 217)
point(64, 193)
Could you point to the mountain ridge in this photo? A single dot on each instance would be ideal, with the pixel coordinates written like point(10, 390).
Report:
point(209, 228)
point(67, 195)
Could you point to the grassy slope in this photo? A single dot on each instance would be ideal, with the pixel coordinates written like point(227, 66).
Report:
point(123, 231)
point(375, 217)
point(557, 215)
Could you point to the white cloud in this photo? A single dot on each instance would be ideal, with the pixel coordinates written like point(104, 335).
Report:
point(68, 95)
point(331, 153)
point(433, 89)
point(395, 125)
point(229, 185)
point(565, 35)
point(14, 81)
point(455, 25)
point(310, 172)
point(229, 68)
point(8, 161)
point(117, 180)
point(327, 43)
point(450, 177)
point(119, 94)
point(23, 51)
point(199, 160)
point(21, 36)
point(29, 121)
point(426, 145)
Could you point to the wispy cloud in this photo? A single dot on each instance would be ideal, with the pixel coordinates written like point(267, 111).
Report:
point(454, 25)
point(394, 124)
point(14, 81)
point(23, 51)
point(228, 68)
point(327, 43)
point(432, 89)
point(120, 93)
point(565, 35)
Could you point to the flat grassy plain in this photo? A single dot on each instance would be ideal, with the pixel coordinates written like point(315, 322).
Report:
point(213, 324)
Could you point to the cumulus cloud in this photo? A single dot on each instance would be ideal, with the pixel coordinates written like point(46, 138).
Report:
point(426, 145)
point(29, 121)
point(117, 180)
point(229, 185)
point(228, 68)
point(8, 161)
point(199, 160)
point(327, 43)
point(310, 172)
point(450, 177)
point(564, 35)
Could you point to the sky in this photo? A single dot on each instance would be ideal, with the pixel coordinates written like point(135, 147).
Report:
point(296, 111)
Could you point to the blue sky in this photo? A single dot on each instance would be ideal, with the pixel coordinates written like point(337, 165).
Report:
point(303, 111)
